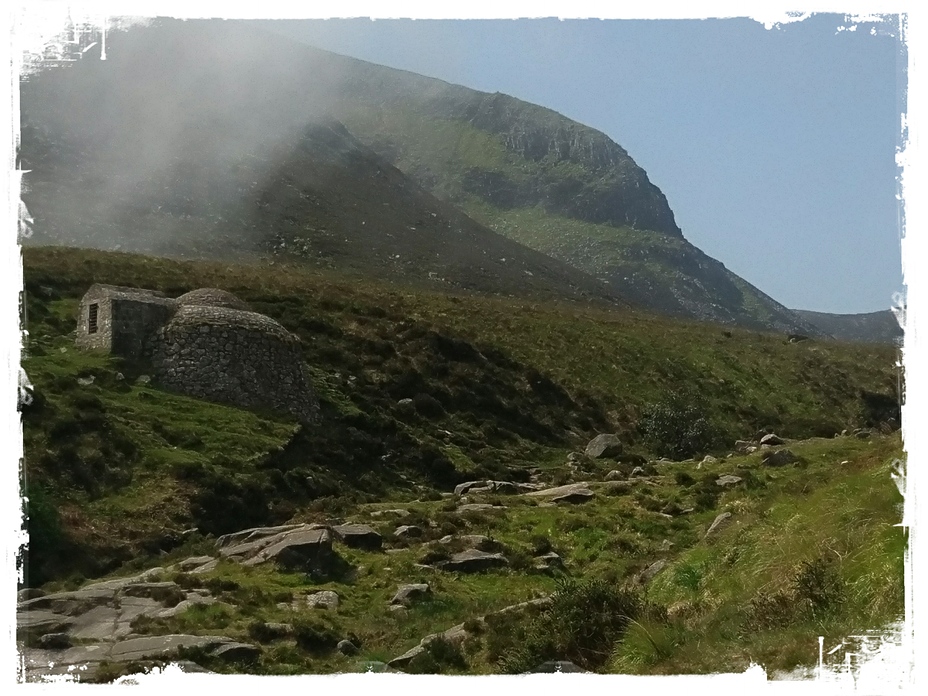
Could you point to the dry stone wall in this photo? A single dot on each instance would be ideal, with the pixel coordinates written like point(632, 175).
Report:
point(233, 356)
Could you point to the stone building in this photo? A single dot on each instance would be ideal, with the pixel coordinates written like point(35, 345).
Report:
point(207, 344)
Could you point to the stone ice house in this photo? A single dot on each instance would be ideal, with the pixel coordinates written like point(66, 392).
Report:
point(206, 344)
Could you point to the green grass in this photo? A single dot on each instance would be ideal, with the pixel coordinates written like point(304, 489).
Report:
point(117, 470)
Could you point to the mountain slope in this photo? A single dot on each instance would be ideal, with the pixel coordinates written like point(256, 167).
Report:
point(183, 99)
point(317, 195)
point(871, 327)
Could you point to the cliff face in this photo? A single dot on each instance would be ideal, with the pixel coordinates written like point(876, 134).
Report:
point(580, 172)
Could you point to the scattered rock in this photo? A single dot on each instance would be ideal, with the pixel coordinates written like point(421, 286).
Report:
point(358, 536)
point(718, 522)
point(193, 562)
point(742, 446)
point(236, 652)
point(54, 641)
point(478, 507)
point(614, 475)
point(143, 379)
point(779, 457)
point(709, 459)
point(558, 490)
point(326, 599)
point(862, 434)
point(575, 496)
point(346, 647)
point(406, 594)
point(500, 487)
point(648, 573)
point(772, 439)
point(85, 381)
point(603, 446)
point(407, 531)
point(727, 480)
point(637, 471)
point(549, 561)
point(473, 561)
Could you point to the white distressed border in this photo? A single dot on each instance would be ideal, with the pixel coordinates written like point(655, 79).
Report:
point(899, 668)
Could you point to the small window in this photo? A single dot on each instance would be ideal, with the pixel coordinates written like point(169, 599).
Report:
point(92, 319)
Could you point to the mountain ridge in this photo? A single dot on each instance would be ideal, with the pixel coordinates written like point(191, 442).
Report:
point(186, 97)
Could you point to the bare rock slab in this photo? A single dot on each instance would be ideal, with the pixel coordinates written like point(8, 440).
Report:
point(474, 561)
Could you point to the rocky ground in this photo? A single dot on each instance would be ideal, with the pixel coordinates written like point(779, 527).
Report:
point(126, 624)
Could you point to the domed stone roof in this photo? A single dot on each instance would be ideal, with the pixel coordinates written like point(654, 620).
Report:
point(211, 297)
point(212, 317)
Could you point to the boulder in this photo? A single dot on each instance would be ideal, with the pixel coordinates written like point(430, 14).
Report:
point(236, 652)
point(709, 459)
point(718, 522)
point(727, 480)
point(29, 593)
point(406, 594)
point(603, 446)
point(637, 471)
point(407, 531)
point(54, 641)
point(772, 439)
point(779, 457)
point(346, 647)
point(615, 475)
point(549, 561)
point(648, 573)
point(358, 536)
point(465, 488)
point(742, 445)
point(862, 434)
point(303, 549)
point(326, 599)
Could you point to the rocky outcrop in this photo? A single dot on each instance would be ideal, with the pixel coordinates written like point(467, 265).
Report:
point(75, 632)
point(296, 547)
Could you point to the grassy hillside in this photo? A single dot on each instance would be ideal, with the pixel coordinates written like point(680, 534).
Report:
point(123, 476)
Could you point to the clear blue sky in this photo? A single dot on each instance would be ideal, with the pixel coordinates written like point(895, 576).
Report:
point(776, 149)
